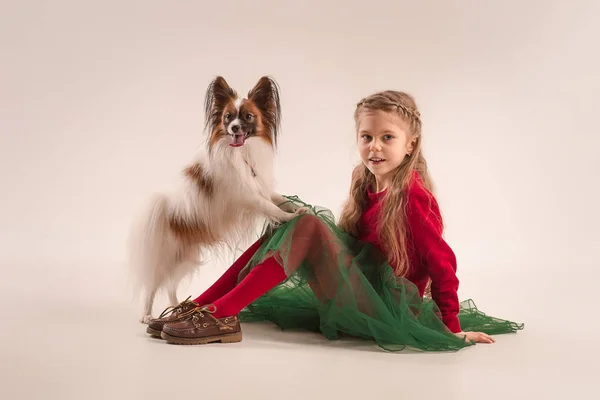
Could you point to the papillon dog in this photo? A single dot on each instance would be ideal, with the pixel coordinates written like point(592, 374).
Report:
point(223, 195)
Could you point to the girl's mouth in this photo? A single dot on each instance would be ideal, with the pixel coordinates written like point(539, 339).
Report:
point(376, 160)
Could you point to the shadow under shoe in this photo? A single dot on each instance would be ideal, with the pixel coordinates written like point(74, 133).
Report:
point(170, 314)
point(202, 327)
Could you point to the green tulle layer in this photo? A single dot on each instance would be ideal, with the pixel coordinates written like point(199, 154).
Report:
point(339, 286)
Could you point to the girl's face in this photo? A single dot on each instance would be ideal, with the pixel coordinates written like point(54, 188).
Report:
point(383, 142)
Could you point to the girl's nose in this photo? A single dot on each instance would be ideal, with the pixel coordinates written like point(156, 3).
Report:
point(375, 146)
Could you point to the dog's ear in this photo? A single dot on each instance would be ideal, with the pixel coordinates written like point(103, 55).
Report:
point(265, 94)
point(218, 94)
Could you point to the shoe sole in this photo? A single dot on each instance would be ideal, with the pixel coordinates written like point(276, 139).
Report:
point(153, 332)
point(229, 338)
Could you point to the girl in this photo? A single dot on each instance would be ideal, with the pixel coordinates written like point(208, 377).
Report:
point(365, 277)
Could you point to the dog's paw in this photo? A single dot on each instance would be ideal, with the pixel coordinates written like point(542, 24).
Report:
point(146, 319)
point(302, 211)
point(289, 207)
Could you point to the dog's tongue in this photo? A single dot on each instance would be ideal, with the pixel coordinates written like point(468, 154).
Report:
point(238, 140)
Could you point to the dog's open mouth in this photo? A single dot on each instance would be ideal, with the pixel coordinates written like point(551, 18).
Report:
point(238, 139)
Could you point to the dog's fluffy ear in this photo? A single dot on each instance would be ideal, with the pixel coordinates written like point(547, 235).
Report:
point(218, 95)
point(265, 94)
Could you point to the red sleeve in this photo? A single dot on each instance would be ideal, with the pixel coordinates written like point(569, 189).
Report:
point(426, 226)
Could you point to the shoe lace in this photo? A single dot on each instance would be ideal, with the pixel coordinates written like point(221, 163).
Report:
point(172, 309)
point(209, 310)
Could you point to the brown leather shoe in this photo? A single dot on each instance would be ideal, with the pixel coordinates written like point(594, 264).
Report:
point(203, 328)
point(170, 314)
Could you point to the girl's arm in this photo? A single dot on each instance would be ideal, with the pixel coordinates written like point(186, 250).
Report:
point(426, 226)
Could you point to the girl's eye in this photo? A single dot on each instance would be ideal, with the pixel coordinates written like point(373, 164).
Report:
point(388, 137)
point(366, 137)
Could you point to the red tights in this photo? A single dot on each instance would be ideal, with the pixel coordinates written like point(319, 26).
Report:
point(310, 241)
point(229, 297)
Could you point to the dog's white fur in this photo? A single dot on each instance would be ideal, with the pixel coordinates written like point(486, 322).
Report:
point(242, 194)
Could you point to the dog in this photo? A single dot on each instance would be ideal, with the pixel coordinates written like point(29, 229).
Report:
point(223, 194)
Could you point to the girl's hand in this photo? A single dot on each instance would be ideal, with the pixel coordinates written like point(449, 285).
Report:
point(476, 337)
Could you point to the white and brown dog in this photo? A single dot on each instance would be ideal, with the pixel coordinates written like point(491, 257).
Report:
point(223, 195)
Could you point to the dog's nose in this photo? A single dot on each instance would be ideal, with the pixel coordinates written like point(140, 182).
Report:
point(235, 128)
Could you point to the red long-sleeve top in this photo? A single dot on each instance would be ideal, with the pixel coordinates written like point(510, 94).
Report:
point(429, 254)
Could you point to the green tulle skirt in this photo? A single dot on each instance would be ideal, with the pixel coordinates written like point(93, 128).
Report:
point(340, 286)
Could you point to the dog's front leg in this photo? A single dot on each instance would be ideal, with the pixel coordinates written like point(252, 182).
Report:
point(276, 214)
point(283, 203)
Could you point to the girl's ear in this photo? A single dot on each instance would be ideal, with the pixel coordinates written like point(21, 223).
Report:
point(410, 146)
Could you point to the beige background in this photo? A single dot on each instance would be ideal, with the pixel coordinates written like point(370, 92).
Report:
point(101, 104)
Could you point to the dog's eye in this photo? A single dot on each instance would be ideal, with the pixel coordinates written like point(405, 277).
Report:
point(249, 117)
point(227, 116)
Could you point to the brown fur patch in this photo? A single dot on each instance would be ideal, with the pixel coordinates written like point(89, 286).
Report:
point(194, 231)
point(230, 108)
point(260, 131)
point(191, 232)
point(219, 130)
point(196, 174)
point(214, 138)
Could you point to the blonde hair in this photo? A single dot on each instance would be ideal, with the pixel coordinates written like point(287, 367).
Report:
point(392, 221)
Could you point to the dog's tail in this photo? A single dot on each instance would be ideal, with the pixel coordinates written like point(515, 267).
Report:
point(150, 246)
